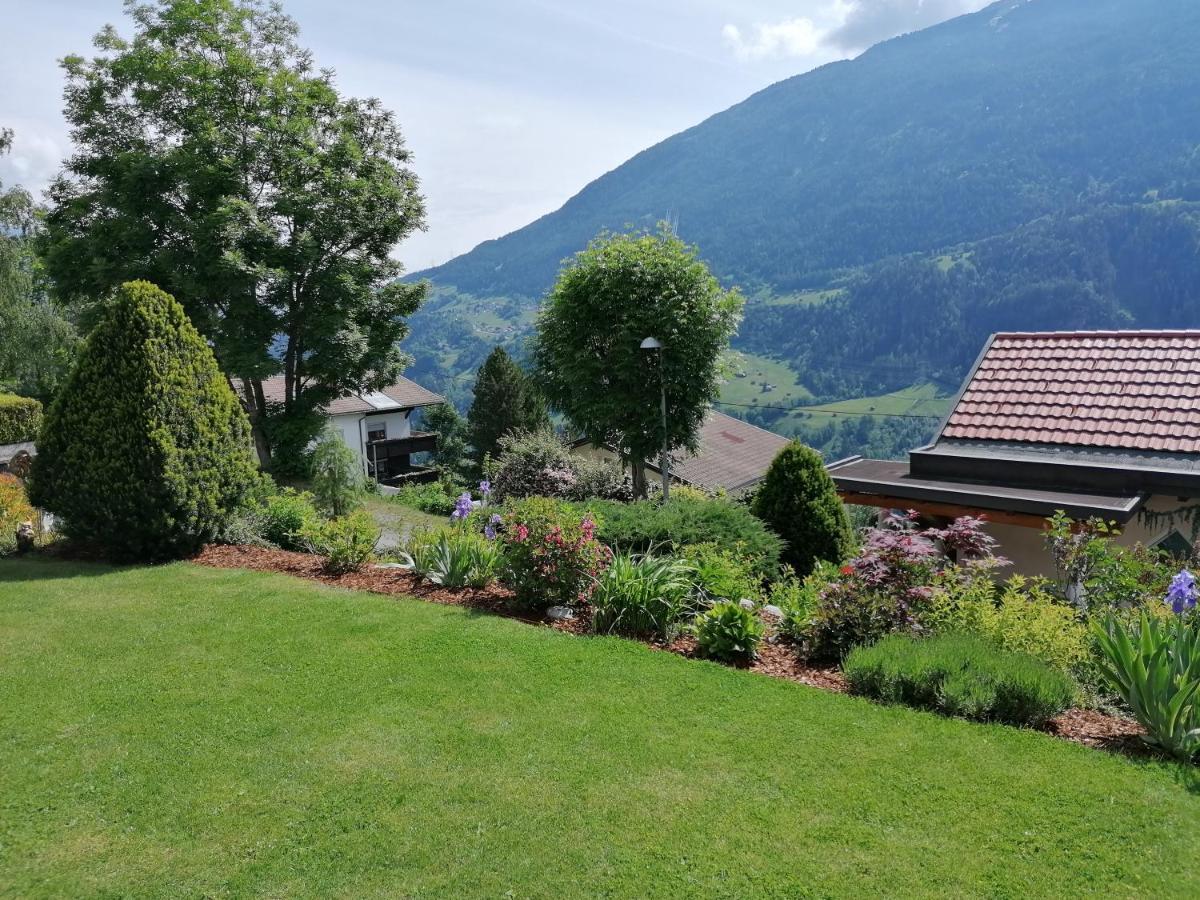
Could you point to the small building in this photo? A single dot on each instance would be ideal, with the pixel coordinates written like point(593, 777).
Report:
point(732, 456)
point(1096, 424)
point(377, 426)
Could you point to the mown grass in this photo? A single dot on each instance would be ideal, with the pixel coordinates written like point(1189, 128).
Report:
point(180, 731)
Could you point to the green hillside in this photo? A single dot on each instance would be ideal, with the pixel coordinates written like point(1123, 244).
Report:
point(1033, 166)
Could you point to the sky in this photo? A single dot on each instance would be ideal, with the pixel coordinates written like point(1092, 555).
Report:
point(511, 106)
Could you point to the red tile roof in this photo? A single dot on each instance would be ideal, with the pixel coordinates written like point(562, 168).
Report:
point(1134, 390)
point(732, 454)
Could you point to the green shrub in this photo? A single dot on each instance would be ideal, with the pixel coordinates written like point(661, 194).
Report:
point(14, 510)
point(960, 675)
point(1155, 667)
point(435, 497)
point(551, 555)
point(642, 596)
point(720, 575)
point(146, 451)
point(650, 526)
point(728, 633)
point(1022, 616)
point(347, 544)
point(20, 419)
point(338, 482)
point(799, 501)
point(799, 599)
point(538, 464)
point(285, 517)
point(453, 557)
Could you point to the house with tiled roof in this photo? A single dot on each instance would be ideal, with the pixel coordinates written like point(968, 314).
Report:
point(1096, 424)
point(731, 455)
point(377, 426)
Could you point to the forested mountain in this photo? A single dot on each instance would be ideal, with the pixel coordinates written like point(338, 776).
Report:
point(1034, 165)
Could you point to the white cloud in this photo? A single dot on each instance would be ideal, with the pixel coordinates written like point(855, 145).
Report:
point(791, 37)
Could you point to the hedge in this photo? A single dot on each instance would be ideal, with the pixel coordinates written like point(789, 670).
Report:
point(20, 419)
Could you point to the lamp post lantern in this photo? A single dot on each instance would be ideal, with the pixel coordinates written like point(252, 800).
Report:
point(653, 343)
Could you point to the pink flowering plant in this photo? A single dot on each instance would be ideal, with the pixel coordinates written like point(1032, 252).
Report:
point(552, 556)
point(888, 586)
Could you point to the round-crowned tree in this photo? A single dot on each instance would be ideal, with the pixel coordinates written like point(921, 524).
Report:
point(146, 452)
point(799, 501)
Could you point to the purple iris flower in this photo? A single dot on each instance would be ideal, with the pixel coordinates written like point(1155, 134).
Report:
point(462, 506)
point(485, 487)
point(489, 530)
point(1182, 592)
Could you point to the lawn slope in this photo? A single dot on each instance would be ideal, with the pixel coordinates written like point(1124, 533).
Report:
point(184, 731)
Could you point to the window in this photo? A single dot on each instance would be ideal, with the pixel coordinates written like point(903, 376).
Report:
point(377, 431)
point(1176, 545)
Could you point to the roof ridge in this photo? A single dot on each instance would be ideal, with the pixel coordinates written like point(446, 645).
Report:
point(1117, 333)
point(716, 411)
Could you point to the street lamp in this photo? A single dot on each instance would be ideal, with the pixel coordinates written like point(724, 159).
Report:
point(653, 343)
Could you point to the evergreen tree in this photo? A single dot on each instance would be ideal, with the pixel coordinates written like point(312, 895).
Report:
point(799, 501)
point(452, 458)
point(146, 452)
point(506, 402)
point(338, 482)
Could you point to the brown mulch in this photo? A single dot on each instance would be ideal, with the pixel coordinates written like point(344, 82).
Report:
point(775, 659)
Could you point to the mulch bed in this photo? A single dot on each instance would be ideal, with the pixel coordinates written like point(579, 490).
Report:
point(776, 659)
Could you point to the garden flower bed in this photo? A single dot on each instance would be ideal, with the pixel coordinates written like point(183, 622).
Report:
point(775, 659)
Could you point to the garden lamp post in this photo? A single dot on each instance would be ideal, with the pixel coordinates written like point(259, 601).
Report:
point(653, 343)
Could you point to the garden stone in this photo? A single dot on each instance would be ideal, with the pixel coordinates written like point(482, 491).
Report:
point(391, 565)
point(746, 603)
point(770, 611)
point(560, 614)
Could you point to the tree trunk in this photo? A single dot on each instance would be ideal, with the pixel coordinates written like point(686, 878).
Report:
point(255, 404)
point(638, 468)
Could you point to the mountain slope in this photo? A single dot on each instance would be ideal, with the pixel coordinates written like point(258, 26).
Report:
point(961, 131)
point(1035, 165)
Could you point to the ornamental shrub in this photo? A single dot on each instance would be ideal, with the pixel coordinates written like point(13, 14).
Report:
point(146, 452)
point(338, 482)
point(1154, 666)
point(642, 596)
point(347, 544)
point(728, 632)
point(650, 526)
point(959, 675)
point(20, 419)
point(286, 516)
point(720, 574)
point(434, 497)
point(538, 464)
point(799, 501)
point(551, 553)
point(14, 509)
point(453, 557)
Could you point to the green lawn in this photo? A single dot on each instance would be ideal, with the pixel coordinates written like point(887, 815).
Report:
point(916, 400)
point(757, 371)
point(180, 731)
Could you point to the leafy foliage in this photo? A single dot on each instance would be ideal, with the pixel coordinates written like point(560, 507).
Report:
point(338, 483)
point(551, 554)
point(20, 419)
point(799, 501)
point(1155, 667)
point(642, 596)
point(146, 451)
point(434, 497)
point(454, 557)
point(728, 632)
point(37, 342)
point(287, 516)
point(960, 676)
point(506, 402)
point(452, 459)
point(588, 356)
point(650, 526)
point(539, 464)
point(720, 574)
point(347, 544)
point(15, 509)
point(212, 158)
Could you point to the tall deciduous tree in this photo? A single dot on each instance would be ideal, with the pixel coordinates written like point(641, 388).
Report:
point(621, 289)
point(214, 160)
point(506, 401)
point(37, 343)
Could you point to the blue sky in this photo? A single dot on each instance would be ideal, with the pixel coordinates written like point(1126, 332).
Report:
point(510, 106)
